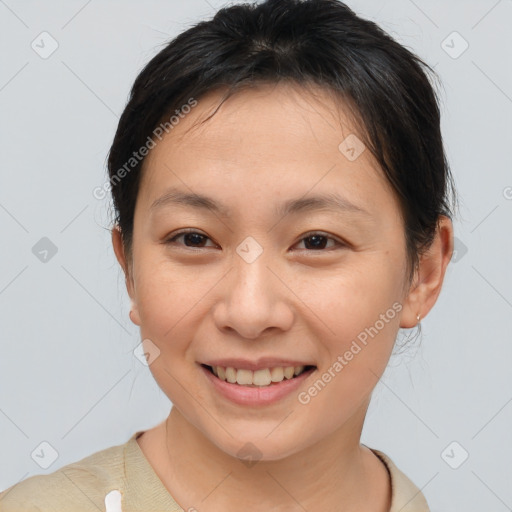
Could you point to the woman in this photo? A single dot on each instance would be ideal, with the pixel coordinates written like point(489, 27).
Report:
point(282, 210)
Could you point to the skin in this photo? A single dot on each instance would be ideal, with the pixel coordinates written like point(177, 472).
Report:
point(200, 302)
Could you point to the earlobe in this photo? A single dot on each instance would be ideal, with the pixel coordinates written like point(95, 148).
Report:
point(411, 309)
point(134, 315)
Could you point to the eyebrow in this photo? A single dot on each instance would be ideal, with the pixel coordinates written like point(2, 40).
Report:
point(320, 202)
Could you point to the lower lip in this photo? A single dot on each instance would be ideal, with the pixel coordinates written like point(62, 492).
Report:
point(245, 395)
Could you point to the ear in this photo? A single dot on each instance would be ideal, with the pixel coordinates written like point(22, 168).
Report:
point(117, 243)
point(429, 276)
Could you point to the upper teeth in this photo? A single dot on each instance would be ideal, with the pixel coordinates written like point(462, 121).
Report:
point(262, 377)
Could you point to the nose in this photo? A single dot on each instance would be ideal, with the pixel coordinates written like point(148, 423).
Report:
point(254, 299)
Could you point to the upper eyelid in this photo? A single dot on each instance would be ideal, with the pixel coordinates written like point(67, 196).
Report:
point(186, 232)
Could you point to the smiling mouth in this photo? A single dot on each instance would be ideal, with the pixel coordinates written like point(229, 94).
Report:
point(259, 378)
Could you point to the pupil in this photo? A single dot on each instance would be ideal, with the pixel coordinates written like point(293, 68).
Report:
point(317, 245)
point(196, 237)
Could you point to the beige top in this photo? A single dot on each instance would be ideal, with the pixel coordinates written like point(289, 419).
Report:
point(121, 479)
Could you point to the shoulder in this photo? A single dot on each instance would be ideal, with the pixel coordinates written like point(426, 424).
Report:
point(405, 495)
point(78, 486)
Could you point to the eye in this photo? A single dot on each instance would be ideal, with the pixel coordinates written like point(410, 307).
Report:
point(314, 241)
point(317, 240)
point(194, 238)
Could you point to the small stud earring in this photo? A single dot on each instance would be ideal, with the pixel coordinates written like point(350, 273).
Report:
point(418, 316)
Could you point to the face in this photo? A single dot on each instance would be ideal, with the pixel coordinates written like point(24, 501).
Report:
point(260, 286)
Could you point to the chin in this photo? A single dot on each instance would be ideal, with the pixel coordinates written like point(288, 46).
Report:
point(251, 450)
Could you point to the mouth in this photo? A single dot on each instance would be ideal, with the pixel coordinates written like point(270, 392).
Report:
point(262, 378)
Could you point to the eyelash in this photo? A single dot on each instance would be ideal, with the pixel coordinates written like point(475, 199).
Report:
point(339, 243)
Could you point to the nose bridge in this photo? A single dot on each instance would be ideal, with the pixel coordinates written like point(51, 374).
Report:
point(252, 299)
point(251, 276)
point(251, 280)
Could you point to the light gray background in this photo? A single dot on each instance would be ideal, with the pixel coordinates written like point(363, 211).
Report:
point(68, 375)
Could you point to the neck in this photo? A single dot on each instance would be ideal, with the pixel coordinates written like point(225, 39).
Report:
point(337, 473)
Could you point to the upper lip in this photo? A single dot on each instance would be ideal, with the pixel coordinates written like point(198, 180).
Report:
point(259, 364)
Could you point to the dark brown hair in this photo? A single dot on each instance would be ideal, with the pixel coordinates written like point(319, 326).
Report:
point(311, 42)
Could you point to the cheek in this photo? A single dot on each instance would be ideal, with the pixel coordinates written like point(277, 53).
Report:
point(345, 301)
point(357, 317)
point(355, 359)
point(167, 291)
point(169, 303)
point(167, 299)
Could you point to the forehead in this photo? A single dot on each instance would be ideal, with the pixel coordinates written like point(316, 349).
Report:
point(277, 138)
point(256, 120)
